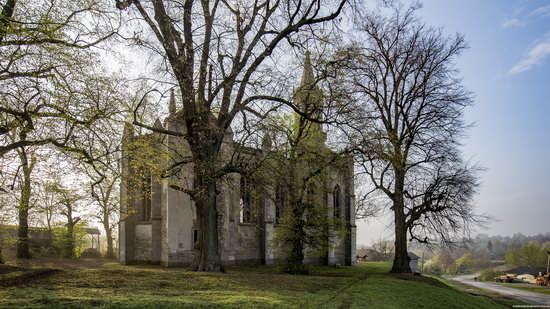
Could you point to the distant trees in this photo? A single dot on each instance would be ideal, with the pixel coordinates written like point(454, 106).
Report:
point(105, 195)
point(530, 254)
point(69, 201)
point(465, 260)
point(385, 247)
point(411, 101)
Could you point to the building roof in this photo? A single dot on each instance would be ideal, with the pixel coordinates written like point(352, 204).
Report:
point(362, 252)
point(527, 270)
point(413, 256)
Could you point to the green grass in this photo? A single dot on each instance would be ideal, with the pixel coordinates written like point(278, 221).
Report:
point(115, 286)
point(528, 287)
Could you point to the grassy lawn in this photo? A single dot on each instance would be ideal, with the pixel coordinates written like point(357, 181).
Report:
point(115, 286)
point(528, 287)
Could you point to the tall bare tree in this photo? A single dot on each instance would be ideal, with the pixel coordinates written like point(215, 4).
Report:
point(216, 53)
point(403, 78)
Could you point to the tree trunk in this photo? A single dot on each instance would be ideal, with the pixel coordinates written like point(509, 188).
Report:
point(70, 241)
point(297, 233)
point(1, 246)
point(110, 252)
point(401, 258)
point(70, 233)
point(50, 233)
point(295, 259)
point(23, 250)
point(207, 257)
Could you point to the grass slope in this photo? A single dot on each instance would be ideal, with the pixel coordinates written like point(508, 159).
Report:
point(116, 286)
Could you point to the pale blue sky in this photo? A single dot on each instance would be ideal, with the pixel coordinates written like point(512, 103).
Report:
point(508, 69)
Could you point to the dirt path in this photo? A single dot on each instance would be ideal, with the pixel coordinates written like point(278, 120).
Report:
point(535, 298)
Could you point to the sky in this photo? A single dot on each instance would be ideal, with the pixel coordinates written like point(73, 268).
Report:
point(508, 69)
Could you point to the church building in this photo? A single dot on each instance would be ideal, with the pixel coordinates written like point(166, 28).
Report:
point(158, 223)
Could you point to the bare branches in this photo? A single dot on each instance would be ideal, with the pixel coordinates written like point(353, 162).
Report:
point(405, 85)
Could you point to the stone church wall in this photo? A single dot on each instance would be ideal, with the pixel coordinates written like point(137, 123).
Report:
point(143, 242)
point(248, 249)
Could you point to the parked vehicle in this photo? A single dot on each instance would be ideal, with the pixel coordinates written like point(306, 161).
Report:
point(508, 278)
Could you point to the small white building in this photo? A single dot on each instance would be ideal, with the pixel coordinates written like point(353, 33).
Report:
point(413, 262)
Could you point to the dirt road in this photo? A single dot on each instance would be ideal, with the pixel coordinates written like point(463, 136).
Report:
point(535, 298)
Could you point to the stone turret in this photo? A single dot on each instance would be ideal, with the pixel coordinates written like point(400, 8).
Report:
point(308, 98)
point(172, 103)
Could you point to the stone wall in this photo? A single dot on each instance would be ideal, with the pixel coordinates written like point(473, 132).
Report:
point(142, 245)
point(248, 248)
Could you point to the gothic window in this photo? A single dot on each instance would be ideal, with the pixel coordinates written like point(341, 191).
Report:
point(145, 213)
point(245, 201)
point(336, 196)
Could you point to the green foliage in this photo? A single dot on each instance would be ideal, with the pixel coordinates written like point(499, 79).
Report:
point(434, 268)
point(60, 241)
point(488, 275)
point(441, 264)
point(465, 259)
point(464, 262)
point(531, 254)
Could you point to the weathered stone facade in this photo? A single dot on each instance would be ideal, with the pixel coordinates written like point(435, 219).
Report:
point(158, 223)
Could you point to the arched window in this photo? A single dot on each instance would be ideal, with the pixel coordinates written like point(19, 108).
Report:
point(245, 201)
point(336, 197)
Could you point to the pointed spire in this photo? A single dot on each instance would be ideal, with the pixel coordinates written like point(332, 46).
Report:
point(307, 77)
point(309, 100)
point(172, 103)
point(308, 96)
